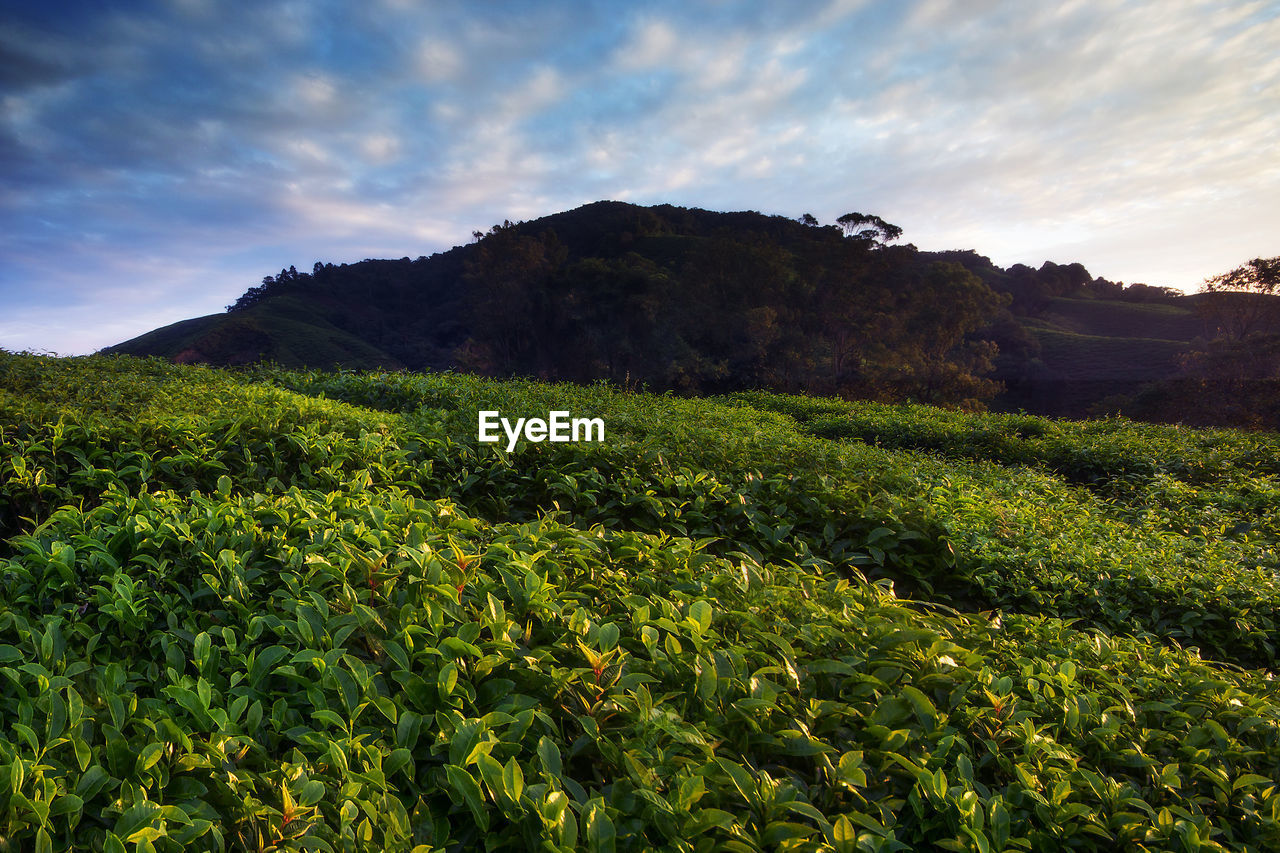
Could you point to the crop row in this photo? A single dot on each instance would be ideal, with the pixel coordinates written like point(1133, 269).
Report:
point(1083, 452)
point(1196, 565)
point(1189, 567)
point(239, 614)
point(373, 671)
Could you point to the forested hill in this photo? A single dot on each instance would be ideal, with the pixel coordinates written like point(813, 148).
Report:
point(700, 302)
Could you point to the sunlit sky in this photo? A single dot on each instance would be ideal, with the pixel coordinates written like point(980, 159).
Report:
point(158, 158)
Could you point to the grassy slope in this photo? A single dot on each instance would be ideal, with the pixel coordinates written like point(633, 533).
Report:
point(168, 341)
point(237, 590)
point(286, 330)
point(1076, 356)
point(1085, 339)
point(1096, 348)
point(1114, 318)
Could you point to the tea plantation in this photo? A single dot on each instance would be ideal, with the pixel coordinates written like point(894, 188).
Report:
point(306, 611)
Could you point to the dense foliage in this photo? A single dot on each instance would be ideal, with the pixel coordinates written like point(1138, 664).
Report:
point(673, 298)
point(699, 302)
point(284, 610)
point(680, 304)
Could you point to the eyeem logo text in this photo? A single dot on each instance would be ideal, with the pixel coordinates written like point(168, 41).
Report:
point(558, 427)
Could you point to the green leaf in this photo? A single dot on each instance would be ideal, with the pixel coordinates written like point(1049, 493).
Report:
point(490, 772)
point(464, 785)
point(57, 722)
point(999, 825)
point(701, 612)
point(465, 737)
point(691, 790)
point(385, 707)
point(92, 781)
point(455, 648)
point(330, 718)
point(807, 810)
point(28, 735)
point(150, 756)
point(448, 678)
point(513, 779)
point(705, 819)
point(549, 755)
point(399, 759)
point(1249, 779)
point(742, 780)
point(843, 836)
point(66, 804)
point(312, 793)
point(598, 828)
point(922, 705)
point(201, 649)
point(779, 831)
point(707, 679)
point(135, 818)
point(608, 636)
point(264, 662)
point(553, 806)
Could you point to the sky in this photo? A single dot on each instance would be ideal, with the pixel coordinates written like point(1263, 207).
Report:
point(159, 158)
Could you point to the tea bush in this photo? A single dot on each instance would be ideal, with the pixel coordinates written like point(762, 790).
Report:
point(1138, 555)
point(274, 611)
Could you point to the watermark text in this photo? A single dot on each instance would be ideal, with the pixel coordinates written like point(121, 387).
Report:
point(558, 427)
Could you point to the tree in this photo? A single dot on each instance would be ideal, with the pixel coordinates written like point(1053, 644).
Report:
point(1244, 301)
point(869, 229)
point(1260, 275)
point(933, 355)
point(1235, 374)
point(507, 287)
point(733, 304)
point(608, 319)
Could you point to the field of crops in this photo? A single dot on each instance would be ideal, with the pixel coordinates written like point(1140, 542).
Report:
point(308, 611)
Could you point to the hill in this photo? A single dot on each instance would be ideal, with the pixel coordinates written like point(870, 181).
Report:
point(1089, 349)
point(303, 610)
point(286, 330)
point(704, 302)
point(1174, 318)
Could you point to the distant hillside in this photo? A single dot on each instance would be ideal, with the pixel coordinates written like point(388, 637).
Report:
point(285, 330)
point(703, 302)
point(1172, 319)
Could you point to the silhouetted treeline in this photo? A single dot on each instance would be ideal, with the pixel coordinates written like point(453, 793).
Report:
point(1230, 375)
point(701, 302)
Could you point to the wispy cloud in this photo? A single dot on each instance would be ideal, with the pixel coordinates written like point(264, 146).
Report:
point(160, 157)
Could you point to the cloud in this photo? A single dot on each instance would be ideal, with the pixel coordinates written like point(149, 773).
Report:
point(316, 91)
point(179, 152)
point(380, 148)
point(653, 45)
point(1064, 117)
point(438, 60)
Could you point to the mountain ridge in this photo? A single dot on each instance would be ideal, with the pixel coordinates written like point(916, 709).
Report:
point(580, 284)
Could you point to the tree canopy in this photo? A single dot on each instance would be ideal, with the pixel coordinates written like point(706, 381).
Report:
point(868, 228)
point(1244, 301)
point(733, 309)
point(1260, 275)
